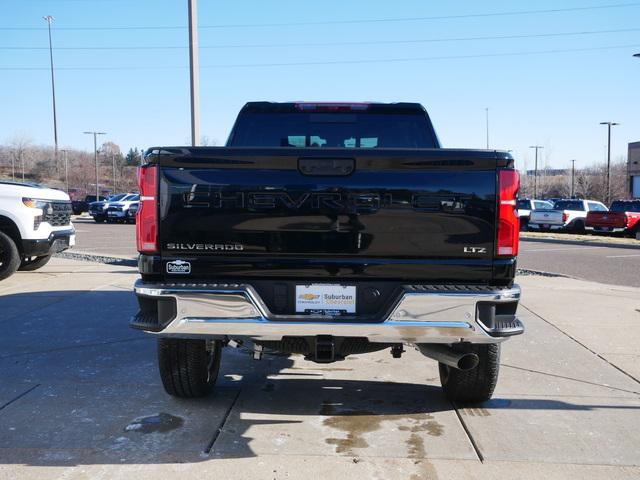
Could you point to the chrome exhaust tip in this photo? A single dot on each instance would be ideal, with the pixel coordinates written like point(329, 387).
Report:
point(449, 356)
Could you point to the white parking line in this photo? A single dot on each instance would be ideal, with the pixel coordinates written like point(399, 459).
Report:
point(624, 256)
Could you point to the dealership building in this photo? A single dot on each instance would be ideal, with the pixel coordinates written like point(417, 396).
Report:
point(633, 167)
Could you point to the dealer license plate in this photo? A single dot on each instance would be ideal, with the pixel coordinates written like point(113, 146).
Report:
point(326, 299)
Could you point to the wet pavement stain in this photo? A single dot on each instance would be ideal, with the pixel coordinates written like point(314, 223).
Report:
point(355, 423)
point(415, 446)
point(426, 471)
point(423, 423)
point(160, 423)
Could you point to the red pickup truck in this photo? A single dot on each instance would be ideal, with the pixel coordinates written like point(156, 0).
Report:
point(623, 217)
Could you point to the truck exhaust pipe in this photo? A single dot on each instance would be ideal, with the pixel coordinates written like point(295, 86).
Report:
point(450, 357)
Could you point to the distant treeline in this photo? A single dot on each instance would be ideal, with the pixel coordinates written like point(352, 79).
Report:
point(21, 159)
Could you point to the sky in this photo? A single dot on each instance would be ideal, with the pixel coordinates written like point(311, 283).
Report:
point(549, 71)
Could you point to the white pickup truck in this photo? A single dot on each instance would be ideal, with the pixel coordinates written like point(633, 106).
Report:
point(35, 223)
point(526, 206)
point(566, 215)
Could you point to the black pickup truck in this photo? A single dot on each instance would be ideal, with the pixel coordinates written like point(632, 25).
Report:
point(327, 230)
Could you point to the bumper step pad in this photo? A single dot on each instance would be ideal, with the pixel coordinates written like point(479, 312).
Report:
point(506, 328)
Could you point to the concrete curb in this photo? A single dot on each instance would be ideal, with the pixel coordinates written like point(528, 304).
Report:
point(96, 258)
point(539, 273)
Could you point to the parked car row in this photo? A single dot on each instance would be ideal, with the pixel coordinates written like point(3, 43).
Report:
point(622, 217)
point(579, 216)
point(80, 206)
point(117, 208)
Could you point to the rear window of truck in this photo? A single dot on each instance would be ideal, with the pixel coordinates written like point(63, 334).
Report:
point(569, 205)
point(625, 207)
point(332, 130)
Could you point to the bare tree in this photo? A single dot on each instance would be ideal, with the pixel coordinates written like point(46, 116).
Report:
point(20, 154)
point(205, 141)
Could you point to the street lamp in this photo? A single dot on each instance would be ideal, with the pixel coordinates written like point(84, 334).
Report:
point(194, 73)
point(535, 175)
point(95, 156)
point(573, 176)
point(609, 125)
point(50, 19)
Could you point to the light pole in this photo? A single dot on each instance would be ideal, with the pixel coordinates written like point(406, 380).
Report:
point(609, 125)
point(95, 156)
point(486, 111)
point(50, 19)
point(66, 169)
point(535, 173)
point(573, 176)
point(194, 72)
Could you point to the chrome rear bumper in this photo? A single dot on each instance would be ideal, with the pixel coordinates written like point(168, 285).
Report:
point(605, 229)
point(423, 314)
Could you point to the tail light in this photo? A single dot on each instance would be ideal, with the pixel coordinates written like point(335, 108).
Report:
point(625, 219)
point(508, 236)
point(565, 217)
point(147, 216)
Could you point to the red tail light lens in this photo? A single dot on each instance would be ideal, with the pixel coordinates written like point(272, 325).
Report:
point(147, 216)
point(508, 237)
point(565, 217)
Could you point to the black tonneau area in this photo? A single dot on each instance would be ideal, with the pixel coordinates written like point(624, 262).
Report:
point(410, 214)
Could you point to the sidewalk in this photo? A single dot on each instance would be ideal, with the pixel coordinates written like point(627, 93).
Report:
point(80, 396)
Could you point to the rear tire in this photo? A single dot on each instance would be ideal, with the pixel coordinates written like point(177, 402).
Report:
point(98, 219)
point(33, 263)
point(475, 385)
point(188, 369)
point(9, 256)
point(579, 227)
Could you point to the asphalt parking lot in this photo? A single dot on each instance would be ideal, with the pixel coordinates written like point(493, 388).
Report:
point(116, 239)
point(598, 263)
point(80, 396)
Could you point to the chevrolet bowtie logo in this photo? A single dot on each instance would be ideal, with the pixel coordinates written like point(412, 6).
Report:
point(309, 296)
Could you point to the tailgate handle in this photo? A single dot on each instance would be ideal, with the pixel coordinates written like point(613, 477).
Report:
point(326, 166)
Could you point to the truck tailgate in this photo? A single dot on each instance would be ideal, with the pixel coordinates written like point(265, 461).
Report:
point(606, 220)
point(546, 217)
point(415, 214)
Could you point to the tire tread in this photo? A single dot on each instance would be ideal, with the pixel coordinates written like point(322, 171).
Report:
point(477, 384)
point(183, 365)
point(12, 261)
